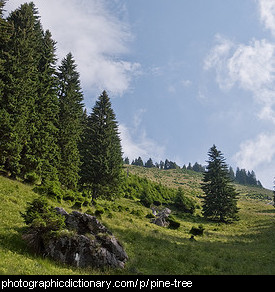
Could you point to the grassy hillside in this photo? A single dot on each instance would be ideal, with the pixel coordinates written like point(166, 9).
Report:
point(244, 247)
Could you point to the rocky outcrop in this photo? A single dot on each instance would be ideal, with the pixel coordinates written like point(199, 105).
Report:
point(161, 218)
point(86, 242)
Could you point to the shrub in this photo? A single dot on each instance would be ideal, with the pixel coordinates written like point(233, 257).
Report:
point(99, 211)
point(40, 215)
point(32, 178)
point(184, 203)
point(42, 220)
point(50, 188)
point(77, 205)
point(173, 223)
point(137, 212)
point(197, 230)
point(150, 216)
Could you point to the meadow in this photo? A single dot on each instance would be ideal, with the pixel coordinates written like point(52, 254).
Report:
point(245, 247)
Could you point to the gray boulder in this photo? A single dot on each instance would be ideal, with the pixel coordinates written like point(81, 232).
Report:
point(85, 243)
point(161, 217)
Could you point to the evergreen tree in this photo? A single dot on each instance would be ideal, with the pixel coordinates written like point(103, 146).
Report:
point(5, 33)
point(220, 201)
point(29, 103)
point(138, 162)
point(189, 167)
point(231, 174)
point(20, 90)
point(102, 155)
point(70, 122)
point(149, 163)
point(126, 161)
point(46, 146)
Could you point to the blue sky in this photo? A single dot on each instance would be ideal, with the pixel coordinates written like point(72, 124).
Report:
point(182, 74)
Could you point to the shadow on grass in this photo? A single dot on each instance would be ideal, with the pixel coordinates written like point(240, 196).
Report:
point(157, 253)
point(270, 211)
point(11, 239)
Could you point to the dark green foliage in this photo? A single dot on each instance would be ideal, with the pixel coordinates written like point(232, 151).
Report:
point(220, 201)
point(149, 163)
point(247, 178)
point(101, 151)
point(42, 220)
point(184, 203)
point(198, 167)
point(28, 101)
point(126, 161)
point(70, 122)
point(20, 89)
point(146, 191)
point(173, 223)
point(51, 189)
point(32, 178)
point(40, 214)
point(197, 231)
point(138, 162)
point(170, 165)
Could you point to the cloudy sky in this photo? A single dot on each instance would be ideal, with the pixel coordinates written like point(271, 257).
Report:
point(182, 74)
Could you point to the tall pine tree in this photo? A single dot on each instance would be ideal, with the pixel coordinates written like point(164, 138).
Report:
point(29, 104)
point(70, 122)
point(102, 152)
point(5, 34)
point(220, 201)
point(46, 112)
point(20, 84)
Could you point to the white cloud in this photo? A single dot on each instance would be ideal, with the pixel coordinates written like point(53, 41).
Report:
point(186, 83)
point(258, 154)
point(136, 143)
point(97, 38)
point(217, 59)
point(251, 67)
point(255, 152)
point(267, 13)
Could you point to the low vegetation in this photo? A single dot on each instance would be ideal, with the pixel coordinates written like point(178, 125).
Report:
point(243, 247)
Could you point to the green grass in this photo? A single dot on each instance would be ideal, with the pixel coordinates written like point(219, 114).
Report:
point(244, 247)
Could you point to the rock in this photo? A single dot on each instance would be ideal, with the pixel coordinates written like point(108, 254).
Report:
point(82, 251)
point(84, 223)
point(85, 243)
point(161, 217)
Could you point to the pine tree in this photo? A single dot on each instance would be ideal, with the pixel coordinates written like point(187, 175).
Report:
point(220, 201)
point(70, 122)
point(5, 33)
point(29, 104)
point(102, 155)
point(19, 94)
point(149, 163)
point(45, 145)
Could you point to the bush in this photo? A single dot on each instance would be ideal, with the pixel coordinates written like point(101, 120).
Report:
point(52, 189)
point(77, 205)
point(32, 178)
point(42, 220)
point(99, 211)
point(173, 223)
point(184, 203)
point(197, 231)
point(137, 212)
point(40, 215)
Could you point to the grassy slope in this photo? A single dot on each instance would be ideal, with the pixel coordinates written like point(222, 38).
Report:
point(245, 247)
